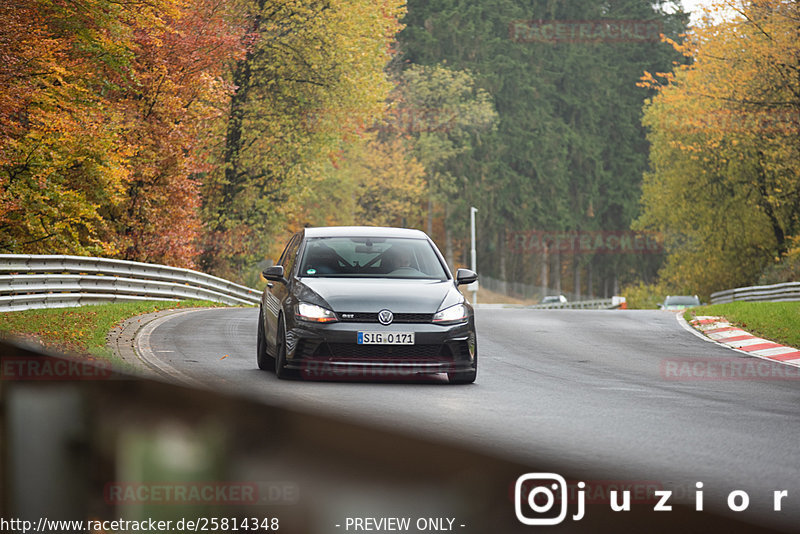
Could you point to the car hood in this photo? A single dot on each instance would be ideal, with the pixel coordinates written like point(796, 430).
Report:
point(371, 295)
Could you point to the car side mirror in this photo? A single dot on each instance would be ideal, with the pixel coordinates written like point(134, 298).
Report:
point(274, 273)
point(465, 276)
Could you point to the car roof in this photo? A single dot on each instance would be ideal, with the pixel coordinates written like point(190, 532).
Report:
point(364, 231)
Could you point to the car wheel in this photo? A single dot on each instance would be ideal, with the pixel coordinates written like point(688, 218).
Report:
point(265, 361)
point(464, 377)
point(280, 352)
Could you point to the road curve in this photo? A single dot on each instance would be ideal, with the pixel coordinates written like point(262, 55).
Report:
point(585, 390)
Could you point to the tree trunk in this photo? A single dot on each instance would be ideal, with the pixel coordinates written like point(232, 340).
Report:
point(430, 216)
point(589, 280)
point(448, 240)
point(557, 271)
point(501, 250)
point(545, 271)
point(766, 206)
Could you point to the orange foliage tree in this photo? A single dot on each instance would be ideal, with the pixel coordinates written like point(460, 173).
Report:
point(175, 100)
point(153, 130)
point(107, 112)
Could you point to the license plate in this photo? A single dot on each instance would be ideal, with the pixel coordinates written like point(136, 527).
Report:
point(386, 338)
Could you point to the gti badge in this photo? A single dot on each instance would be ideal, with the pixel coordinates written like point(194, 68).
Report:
point(385, 317)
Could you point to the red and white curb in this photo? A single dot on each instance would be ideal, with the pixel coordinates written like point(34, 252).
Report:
point(724, 333)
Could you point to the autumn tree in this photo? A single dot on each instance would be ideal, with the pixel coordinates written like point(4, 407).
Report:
point(442, 115)
point(59, 162)
point(312, 77)
point(373, 181)
point(175, 100)
point(725, 134)
point(107, 111)
point(402, 165)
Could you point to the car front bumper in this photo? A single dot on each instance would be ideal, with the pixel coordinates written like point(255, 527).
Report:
point(331, 350)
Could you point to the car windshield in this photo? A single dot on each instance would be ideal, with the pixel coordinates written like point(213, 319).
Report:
point(380, 257)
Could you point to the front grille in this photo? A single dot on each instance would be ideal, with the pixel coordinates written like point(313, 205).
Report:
point(352, 351)
point(352, 317)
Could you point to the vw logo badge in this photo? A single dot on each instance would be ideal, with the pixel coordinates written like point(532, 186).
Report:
point(385, 317)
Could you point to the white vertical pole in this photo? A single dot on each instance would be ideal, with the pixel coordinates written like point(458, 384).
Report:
point(473, 252)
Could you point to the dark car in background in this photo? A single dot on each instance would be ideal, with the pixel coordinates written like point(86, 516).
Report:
point(366, 302)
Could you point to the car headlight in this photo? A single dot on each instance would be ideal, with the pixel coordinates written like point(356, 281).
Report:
point(453, 314)
point(314, 313)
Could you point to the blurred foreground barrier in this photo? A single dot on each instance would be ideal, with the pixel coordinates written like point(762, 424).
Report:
point(773, 293)
point(43, 281)
point(135, 455)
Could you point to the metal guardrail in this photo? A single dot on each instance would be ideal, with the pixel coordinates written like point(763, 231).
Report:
point(50, 281)
point(597, 304)
point(534, 292)
point(773, 293)
point(522, 290)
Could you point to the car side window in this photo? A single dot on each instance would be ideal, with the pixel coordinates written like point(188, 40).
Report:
point(289, 256)
point(285, 250)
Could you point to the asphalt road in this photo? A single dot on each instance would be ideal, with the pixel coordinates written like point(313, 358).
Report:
point(586, 391)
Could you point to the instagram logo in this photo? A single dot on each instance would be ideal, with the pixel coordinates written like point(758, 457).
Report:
point(540, 499)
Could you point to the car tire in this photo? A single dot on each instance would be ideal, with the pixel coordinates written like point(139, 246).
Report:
point(265, 361)
point(462, 377)
point(280, 352)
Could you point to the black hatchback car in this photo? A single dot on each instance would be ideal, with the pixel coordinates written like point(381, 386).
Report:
point(366, 302)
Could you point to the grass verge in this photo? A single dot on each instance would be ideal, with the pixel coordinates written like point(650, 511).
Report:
point(83, 330)
point(776, 321)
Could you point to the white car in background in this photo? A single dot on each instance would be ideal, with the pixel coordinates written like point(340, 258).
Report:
point(554, 299)
point(679, 302)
